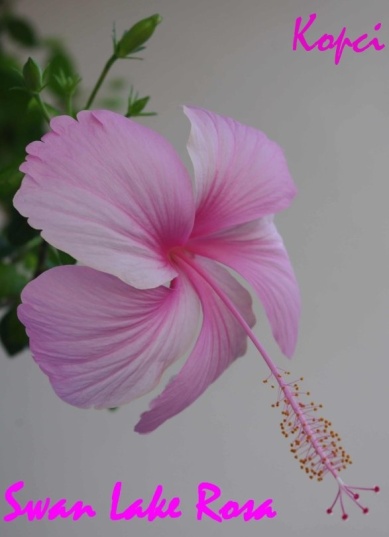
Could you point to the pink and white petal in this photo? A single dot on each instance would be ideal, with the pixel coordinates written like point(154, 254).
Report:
point(101, 342)
point(240, 175)
point(110, 192)
point(256, 251)
point(221, 340)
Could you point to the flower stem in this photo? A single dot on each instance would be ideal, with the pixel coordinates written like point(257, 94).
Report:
point(42, 107)
point(69, 105)
point(100, 80)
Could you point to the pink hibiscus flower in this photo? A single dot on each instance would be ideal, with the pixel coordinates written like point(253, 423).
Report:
point(115, 195)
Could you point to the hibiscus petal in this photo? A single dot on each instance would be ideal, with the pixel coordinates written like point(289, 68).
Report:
point(101, 342)
point(256, 251)
point(240, 175)
point(221, 340)
point(110, 192)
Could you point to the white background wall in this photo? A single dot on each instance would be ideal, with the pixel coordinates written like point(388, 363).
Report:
point(235, 58)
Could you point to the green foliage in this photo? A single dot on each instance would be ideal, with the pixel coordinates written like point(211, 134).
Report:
point(5, 247)
point(19, 124)
point(11, 282)
point(56, 258)
point(10, 179)
point(17, 231)
point(12, 333)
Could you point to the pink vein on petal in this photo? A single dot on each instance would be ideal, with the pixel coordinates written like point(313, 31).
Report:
point(110, 192)
point(240, 175)
point(256, 251)
point(220, 342)
point(101, 342)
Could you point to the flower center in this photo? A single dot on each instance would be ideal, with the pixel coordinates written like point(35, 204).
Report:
point(179, 252)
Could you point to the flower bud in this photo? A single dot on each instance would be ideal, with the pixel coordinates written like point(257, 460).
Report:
point(136, 36)
point(32, 75)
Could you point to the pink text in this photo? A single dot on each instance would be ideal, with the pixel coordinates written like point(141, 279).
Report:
point(158, 506)
point(209, 493)
point(43, 509)
point(329, 42)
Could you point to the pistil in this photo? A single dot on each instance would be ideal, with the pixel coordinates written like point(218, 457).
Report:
point(316, 446)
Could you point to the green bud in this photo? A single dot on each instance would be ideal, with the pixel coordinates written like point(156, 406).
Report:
point(32, 75)
point(134, 38)
point(68, 84)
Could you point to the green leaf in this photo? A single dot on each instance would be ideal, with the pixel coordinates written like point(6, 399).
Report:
point(57, 258)
point(10, 179)
point(21, 31)
point(29, 260)
point(17, 231)
point(139, 105)
point(65, 258)
point(138, 34)
point(12, 332)
point(19, 79)
point(136, 106)
point(18, 125)
point(11, 282)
